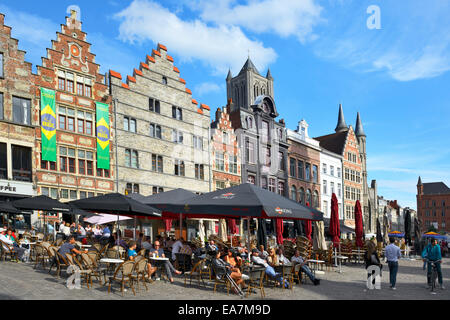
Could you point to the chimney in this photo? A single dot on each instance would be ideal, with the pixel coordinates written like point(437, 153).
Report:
point(218, 114)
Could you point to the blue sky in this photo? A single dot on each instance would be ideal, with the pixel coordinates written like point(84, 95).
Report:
point(320, 52)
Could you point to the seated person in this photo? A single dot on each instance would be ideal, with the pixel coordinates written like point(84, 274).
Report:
point(132, 254)
point(120, 242)
point(8, 239)
point(269, 270)
point(297, 259)
point(232, 259)
point(106, 232)
point(211, 246)
point(281, 258)
point(69, 247)
point(221, 268)
point(159, 252)
point(263, 253)
point(272, 259)
point(24, 243)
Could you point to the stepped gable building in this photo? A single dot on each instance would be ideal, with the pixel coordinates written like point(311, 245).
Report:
point(69, 69)
point(346, 143)
point(433, 205)
point(18, 119)
point(261, 137)
point(162, 132)
point(225, 152)
point(304, 163)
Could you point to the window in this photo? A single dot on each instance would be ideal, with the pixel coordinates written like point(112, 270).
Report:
point(332, 171)
point(324, 186)
point(324, 165)
point(197, 142)
point(346, 174)
point(66, 159)
point(155, 131)
point(86, 162)
point(272, 185)
point(268, 156)
point(300, 169)
point(179, 168)
point(249, 122)
point(292, 165)
point(220, 185)
point(22, 111)
point(232, 164)
point(48, 165)
point(129, 124)
point(132, 188)
point(127, 157)
point(177, 113)
point(66, 119)
point(154, 105)
point(347, 192)
point(80, 89)
point(301, 196)
point(315, 174)
point(225, 138)
point(220, 161)
point(1, 65)
point(157, 163)
point(1, 107)
point(338, 172)
point(49, 192)
point(331, 188)
point(339, 188)
point(164, 80)
point(199, 172)
point(84, 122)
point(264, 182)
point(249, 152)
point(177, 136)
point(281, 188)
point(131, 158)
point(307, 171)
point(87, 91)
point(251, 180)
point(294, 193)
point(157, 190)
point(315, 199)
point(325, 208)
point(102, 172)
point(21, 163)
point(280, 161)
point(64, 193)
point(265, 131)
point(308, 197)
point(3, 162)
point(62, 84)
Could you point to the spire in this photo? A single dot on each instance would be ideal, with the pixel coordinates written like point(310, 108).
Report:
point(359, 131)
point(419, 183)
point(229, 76)
point(249, 66)
point(341, 126)
point(269, 75)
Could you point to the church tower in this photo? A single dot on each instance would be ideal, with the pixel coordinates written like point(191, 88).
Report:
point(248, 85)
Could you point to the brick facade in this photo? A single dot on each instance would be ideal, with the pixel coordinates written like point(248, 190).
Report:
point(433, 206)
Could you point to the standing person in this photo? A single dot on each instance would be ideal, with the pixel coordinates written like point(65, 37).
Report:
point(432, 253)
point(176, 248)
point(392, 253)
point(371, 257)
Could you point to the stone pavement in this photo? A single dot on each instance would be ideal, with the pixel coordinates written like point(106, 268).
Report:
point(22, 282)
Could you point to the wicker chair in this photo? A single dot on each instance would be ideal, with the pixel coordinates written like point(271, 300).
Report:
point(41, 256)
point(256, 281)
point(8, 250)
point(123, 274)
point(183, 261)
point(95, 271)
point(221, 281)
point(83, 271)
point(141, 272)
point(195, 273)
point(51, 251)
point(61, 262)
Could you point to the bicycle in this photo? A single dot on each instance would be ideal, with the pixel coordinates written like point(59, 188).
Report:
point(434, 275)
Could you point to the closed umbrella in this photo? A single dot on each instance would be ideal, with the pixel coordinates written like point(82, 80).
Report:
point(408, 227)
point(201, 231)
point(222, 230)
point(232, 226)
point(385, 228)
point(279, 227)
point(379, 235)
point(168, 225)
point(359, 225)
point(319, 236)
point(334, 228)
point(308, 229)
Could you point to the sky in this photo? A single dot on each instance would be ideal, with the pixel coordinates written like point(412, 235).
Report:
point(388, 60)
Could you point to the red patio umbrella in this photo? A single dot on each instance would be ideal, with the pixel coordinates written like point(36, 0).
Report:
point(232, 226)
point(308, 226)
point(358, 225)
point(335, 228)
point(279, 227)
point(168, 224)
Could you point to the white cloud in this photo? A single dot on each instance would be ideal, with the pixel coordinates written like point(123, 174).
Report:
point(220, 47)
point(206, 88)
point(282, 17)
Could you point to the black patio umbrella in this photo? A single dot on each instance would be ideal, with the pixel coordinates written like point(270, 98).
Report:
point(163, 199)
point(245, 200)
point(7, 207)
point(261, 234)
point(74, 210)
point(116, 203)
point(408, 227)
point(379, 235)
point(43, 203)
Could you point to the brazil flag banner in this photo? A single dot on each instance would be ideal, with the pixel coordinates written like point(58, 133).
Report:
point(103, 135)
point(48, 125)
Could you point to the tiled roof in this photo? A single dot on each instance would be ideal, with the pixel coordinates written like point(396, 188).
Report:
point(115, 74)
point(333, 142)
point(435, 188)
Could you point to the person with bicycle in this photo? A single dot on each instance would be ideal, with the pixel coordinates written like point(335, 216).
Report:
point(432, 254)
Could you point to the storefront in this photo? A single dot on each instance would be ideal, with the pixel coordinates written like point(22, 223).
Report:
point(15, 190)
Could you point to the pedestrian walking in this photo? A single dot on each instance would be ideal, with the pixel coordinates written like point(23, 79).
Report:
point(392, 254)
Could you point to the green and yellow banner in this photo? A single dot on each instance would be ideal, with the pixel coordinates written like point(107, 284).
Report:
point(48, 125)
point(103, 135)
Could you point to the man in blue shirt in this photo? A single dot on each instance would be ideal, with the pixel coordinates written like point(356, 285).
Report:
point(159, 253)
point(432, 253)
point(392, 255)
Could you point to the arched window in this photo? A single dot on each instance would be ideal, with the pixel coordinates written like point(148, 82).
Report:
point(301, 196)
point(242, 96)
point(308, 197)
point(263, 91)
point(316, 199)
point(294, 193)
point(249, 122)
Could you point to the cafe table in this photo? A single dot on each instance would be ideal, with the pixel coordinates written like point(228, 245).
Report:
point(340, 258)
point(159, 262)
point(316, 264)
point(110, 261)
